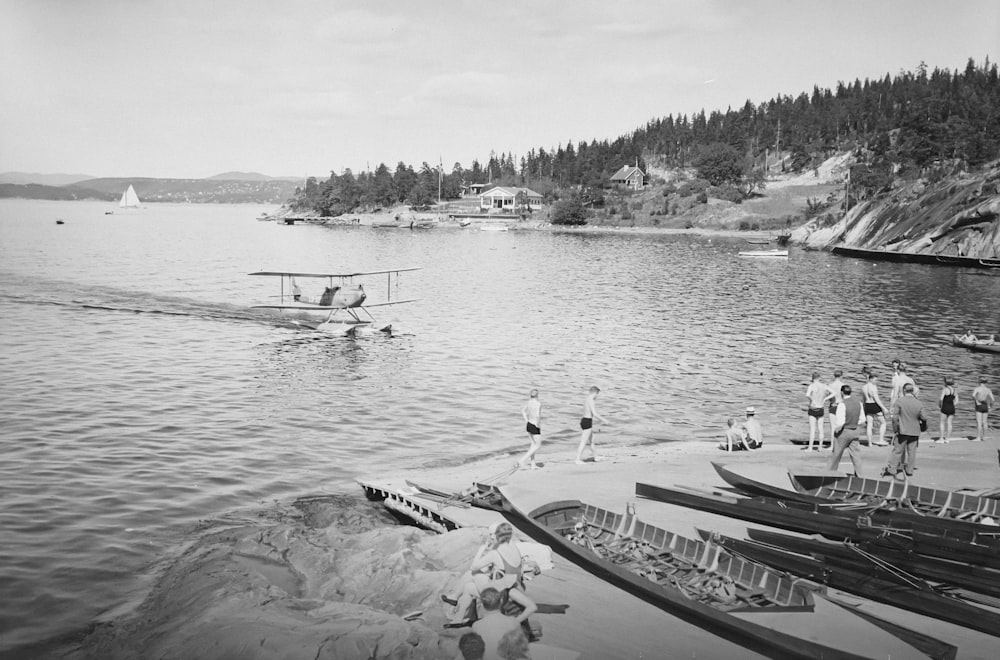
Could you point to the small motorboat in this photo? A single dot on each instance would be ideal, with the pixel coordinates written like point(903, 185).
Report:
point(767, 254)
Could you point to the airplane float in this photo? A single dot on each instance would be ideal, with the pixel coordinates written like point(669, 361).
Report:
point(341, 308)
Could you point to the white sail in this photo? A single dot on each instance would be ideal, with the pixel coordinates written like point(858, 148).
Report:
point(129, 199)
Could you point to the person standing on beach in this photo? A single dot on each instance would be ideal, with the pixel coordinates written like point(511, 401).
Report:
point(946, 404)
point(532, 413)
point(835, 398)
point(983, 398)
point(873, 410)
point(587, 425)
point(906, 416)
point(850, 413)
point(816, 393)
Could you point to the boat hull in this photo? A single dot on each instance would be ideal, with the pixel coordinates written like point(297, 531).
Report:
point(928, 501)
point(976, 346)
point(873, 584)
point(762, 631)
point(878, 526)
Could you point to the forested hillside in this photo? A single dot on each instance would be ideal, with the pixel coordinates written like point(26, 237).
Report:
point(916, 123)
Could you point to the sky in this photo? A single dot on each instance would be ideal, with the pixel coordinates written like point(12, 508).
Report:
point(185, 89)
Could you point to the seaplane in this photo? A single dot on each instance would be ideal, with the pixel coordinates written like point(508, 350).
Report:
point(340, 308)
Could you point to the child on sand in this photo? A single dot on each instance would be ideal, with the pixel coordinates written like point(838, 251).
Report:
point(736, 439)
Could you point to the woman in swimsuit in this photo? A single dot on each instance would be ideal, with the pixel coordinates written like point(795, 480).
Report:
point(873, 408)
point(946, 403)
point(497, 564)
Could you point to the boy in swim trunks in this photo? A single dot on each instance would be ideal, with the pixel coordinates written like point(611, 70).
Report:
point(587, 425)
point(816, 393)
point(532, 413)
point(983, 397)
point(873, 409)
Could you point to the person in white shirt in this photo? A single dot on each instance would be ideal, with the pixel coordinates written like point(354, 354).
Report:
point(850, 416)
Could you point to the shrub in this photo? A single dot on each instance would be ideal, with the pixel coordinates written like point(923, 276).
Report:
point(569, 212)
point(727, 193)
point(702, 197)
point(692, 187)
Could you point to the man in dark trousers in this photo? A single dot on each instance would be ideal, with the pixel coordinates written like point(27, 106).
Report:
point(906, 416)
point(848, 417)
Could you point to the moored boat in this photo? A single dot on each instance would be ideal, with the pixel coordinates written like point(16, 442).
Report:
point(766, 254)
point(744, 601)
point(947, 539)
point(862, 554)
point(920, 499)
point(754, 487)
point(878, 583)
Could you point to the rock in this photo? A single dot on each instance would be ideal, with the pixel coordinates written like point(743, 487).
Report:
point(316, 581)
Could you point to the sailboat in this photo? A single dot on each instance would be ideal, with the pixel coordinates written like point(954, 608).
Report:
point(129, 199)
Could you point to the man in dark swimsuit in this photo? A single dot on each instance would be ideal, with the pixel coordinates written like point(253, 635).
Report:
point(532, 413)
point(587, 425)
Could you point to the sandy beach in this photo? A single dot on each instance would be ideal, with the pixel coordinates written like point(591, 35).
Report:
point(293, 582)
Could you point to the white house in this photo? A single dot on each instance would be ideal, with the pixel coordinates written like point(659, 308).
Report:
point(511, 200)
point(629, 177)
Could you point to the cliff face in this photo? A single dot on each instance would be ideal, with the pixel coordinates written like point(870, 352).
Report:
point(954, 217)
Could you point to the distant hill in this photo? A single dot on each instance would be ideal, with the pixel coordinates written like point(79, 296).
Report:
point(250, 176)
point(226, 191)
point(22, 178)
point(214, 190)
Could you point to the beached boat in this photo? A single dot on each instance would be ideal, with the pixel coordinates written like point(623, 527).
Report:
point(943, 538)
point(129, 199)
point(744, 601)
point(862, 554)
point(758, 241)
point(753, 487)
point(493, 227)
point(879, 583)
point(766, 254)
point(981, 346)
point(920, 499)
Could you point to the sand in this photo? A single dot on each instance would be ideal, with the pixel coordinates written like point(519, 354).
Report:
point(317, 580)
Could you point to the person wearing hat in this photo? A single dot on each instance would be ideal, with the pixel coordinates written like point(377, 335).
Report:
point(755, 434)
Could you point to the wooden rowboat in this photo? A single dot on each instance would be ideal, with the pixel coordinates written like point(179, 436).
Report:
point(754, 487)
point(861, 554)
point(875, 583)
point(937, 538)
point(744, 601)
point(920, 499)
point(981, 346)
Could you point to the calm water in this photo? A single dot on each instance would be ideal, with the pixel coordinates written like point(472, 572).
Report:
point(139, 394)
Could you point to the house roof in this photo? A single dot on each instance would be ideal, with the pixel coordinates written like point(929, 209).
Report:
point(502, 191)
point(625, 173)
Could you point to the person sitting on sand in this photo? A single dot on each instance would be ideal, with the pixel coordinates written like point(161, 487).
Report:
point(498, 564)
point(755, 434)
point(736, 438)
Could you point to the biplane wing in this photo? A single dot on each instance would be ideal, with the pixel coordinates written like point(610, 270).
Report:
point(305, 307)
point(355, 274)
